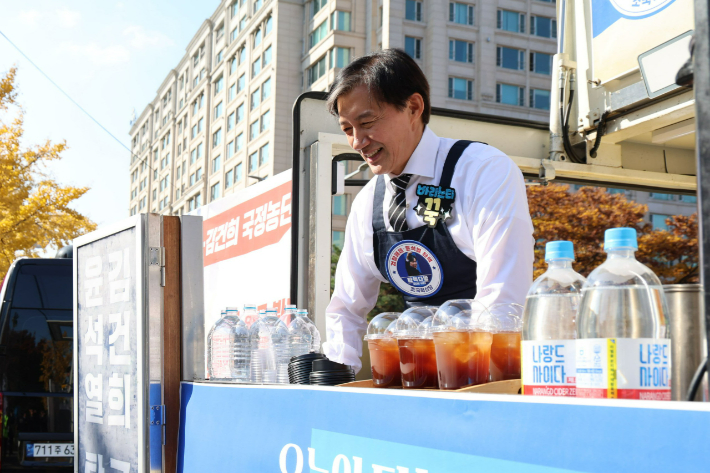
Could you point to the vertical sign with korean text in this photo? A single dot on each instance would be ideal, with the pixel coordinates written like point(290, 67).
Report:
point(109, 368)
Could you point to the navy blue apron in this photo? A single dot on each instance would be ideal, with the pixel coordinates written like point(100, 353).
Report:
point(423, 263)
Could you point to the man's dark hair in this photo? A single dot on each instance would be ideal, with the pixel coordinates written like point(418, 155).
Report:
point(390, 75)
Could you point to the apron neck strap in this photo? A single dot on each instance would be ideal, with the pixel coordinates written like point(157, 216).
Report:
point(451, 159)
point(378, 219)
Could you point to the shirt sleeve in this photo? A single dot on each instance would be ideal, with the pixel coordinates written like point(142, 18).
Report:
point(357, 285)
point(502, 232)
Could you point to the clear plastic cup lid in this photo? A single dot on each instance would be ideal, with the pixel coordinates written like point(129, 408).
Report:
point(409, 324)
point(379, 325)
point(507, 317)
point(457, 314)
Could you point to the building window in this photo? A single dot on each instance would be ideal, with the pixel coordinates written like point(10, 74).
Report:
point(511, 21)
point(460, 51)
point(217, 138)
point(242, 54)
point(690, 199)
point(264, 154)
point(659, 221)
point(269, 25)
point(240, 113)
point(413, 47)
point(193, 156)
point(543, 27)
point(228, 179)
point(316, 5)
point(413, 10)
point(218, 110)
point(202, 100)
point(257, 5)
point(340, 20)
point(540, 99)
point(192, 179)
point(266, 120)
point(460, 88)
point(339, 57)
point(216, 163)
point(239, 142)
point(230, 149)
point(254, 130)
point(200, 148)
point(541, 63)
point(255, 99)
point(220, 55)
point(233, 66)
point(257, 37)
point(231, 121)
point(256, 67)
point(316, 71)
point(340, 204)
point(214, 192)
point(233, 35)
point(318, 33)
point(266, 89)
point(241, 82)
point(238, 173)
point(657, 196)
point(218, 86)
point(267, 56)
point(242, 24)
point(200, 124)
point(510, 58)
point(461, 13)
point(232, 94)
point(254, 161)
point(338, 239)
point(510, 94)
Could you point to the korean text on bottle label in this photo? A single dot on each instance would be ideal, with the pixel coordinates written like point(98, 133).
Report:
point(548, 367)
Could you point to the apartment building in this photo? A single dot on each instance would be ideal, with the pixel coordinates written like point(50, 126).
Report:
point(220, 121)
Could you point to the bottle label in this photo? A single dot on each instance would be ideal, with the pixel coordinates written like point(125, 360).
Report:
point(624, 368)
point(548, 367)
point(221, 345)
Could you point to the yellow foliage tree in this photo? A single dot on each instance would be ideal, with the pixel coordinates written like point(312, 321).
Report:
point(34, 208)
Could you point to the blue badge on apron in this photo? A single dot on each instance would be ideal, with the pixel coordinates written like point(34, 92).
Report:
point(413, 269)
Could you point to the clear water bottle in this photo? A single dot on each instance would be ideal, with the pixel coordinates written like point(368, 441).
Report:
point(623, 348)
point(315, 334)
point(549, 325)
point(280, 343)
point(289, 314)
point(300, 337)
point(219, 348)
point(250, 314)
point(241, 349)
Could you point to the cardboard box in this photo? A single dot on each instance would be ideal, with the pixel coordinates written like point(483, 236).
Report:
point(511, 386)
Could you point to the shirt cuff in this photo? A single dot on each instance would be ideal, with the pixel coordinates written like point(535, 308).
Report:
point(342, 353)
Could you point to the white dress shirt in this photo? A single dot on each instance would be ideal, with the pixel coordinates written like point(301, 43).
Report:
point(490, 224)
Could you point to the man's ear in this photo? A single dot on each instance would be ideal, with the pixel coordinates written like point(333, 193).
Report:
point(415, 107)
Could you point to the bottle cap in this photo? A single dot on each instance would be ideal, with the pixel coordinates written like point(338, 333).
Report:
point(559, 250)
point(618, 238)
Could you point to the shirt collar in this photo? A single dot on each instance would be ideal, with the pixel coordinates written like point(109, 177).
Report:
point(423, 160)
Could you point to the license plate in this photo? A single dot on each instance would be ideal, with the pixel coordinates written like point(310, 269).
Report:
point(40, 450)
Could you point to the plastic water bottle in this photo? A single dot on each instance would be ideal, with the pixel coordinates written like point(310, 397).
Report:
point(219, 348)
point(623, 349)
point(249, 315)
point(240, 349)
point(280, 343)
point(289, 314)
point(300, 337)
point(315, 334)
point(549, 325)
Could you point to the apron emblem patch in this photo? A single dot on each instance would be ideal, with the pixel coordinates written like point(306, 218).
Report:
point(414, 269)
point(435, 203)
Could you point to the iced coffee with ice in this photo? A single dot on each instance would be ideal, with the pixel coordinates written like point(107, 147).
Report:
point(417, 357)
point(462, 342)
point(505, 349)
point(384, 351)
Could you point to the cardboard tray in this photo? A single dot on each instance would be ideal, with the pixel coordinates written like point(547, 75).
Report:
point(511, 386)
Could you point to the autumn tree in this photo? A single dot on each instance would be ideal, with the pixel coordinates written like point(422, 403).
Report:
point(584, 215)
point(34, 209)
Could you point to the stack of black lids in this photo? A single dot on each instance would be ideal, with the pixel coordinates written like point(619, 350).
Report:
point(300, 367)
point(329, 373)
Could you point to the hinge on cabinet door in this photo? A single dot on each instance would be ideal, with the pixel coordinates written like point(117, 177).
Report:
point(157, 258)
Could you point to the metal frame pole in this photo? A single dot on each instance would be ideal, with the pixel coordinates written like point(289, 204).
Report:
point(701, 81)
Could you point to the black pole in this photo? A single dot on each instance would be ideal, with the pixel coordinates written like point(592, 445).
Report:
point(701, 80)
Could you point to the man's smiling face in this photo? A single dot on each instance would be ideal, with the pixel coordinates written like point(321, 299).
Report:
point(383, 135)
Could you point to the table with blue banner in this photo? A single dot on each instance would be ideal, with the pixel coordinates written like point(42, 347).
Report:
point(294, 429)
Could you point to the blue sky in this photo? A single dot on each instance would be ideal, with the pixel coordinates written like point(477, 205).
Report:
point(111, 57)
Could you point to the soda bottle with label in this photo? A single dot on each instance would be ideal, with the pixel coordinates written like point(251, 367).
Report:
point(549, 325)
point(623, 345)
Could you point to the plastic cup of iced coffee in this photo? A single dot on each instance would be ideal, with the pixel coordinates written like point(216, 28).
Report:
point(417, 357)
point(463, 346)
point(384, 352)
point(505, 349)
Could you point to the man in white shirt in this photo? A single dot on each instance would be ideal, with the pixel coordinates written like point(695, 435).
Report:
point(441, 220)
